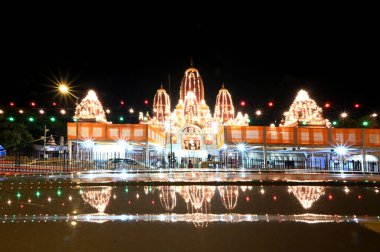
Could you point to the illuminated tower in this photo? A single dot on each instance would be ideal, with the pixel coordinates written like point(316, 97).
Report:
point(192, 107)
point(161, 105)
point(90, 109)
point(224, 108)
point(304, 111)
point(192, 82)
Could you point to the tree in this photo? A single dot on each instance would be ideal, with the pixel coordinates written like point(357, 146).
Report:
point(14, 134)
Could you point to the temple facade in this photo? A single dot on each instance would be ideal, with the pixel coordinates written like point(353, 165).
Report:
point(191, 129)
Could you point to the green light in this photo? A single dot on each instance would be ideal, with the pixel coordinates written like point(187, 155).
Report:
point(334, 123)
point(74, 119)
point(18, 195)
point(121, 118)
point(11, 119)
point(150, 189)
point(38, 194)
point(249, 120)
point(365, 123)
point(304, 123)
point(30, 119)
point(53, 119)
point(126, 189)
point(59, 193)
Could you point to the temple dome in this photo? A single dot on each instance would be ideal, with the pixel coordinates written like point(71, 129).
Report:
point(306, 111)
point(161, 105)
point(192, 82)
point(90, 109)
point(224, 108)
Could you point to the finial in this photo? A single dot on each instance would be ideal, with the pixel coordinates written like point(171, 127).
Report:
point(223, 84)
point(191, 61)
point(161, 85)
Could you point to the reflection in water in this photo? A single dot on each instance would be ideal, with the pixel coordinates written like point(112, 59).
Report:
point(307, 195)
point(168, 197)
point(97, 197)
point(198, 202)
point(369, 222)
point(229, 196)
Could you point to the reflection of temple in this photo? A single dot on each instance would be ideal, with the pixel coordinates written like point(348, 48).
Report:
point(168, 197)
point(198, 202)
point(97, 197)
point(307, 195)
point(229, 196)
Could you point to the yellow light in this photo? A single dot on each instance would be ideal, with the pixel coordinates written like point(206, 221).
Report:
point(21, 111)
point(258, 112)
point(1, 111)
point(63, 88)
point(344, 115)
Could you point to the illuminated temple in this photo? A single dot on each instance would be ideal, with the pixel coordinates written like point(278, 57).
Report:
point(191, 128)
point(195, 130)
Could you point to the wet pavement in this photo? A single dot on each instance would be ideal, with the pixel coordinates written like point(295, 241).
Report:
point(61, 215)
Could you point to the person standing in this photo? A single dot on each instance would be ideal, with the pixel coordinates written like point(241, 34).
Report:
point(190, 165)
point(183, 163)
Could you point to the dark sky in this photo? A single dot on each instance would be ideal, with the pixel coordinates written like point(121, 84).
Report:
point(335, 60)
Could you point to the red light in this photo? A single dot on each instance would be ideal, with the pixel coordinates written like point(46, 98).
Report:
point(153, 202)
point(54, 104)
point(357, 105)
point(11, 104)
point(33, 104)
point(360, 197)
point(146, 102)
point(327, 105)
point(121, 102)
point(270, 104)
point(274, 197)
point(247, 199)
point(242, 103)
point(330, 197)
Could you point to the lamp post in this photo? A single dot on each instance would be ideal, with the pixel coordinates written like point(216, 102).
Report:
point(64, 89)
point(45, 130)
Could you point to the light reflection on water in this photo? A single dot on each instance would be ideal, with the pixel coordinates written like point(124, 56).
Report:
point(199, 204)
point(53, 216)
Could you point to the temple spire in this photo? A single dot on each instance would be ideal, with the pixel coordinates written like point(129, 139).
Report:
point(223, 84)
point(191, 61)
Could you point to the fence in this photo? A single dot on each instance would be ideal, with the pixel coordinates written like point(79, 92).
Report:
point(34, 162)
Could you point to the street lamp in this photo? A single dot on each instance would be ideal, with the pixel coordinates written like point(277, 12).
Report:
point(64, 89)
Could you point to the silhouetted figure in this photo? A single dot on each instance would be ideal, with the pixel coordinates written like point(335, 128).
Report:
point(190, 165)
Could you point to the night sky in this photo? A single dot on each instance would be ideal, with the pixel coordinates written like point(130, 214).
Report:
point(335, 61)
